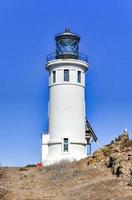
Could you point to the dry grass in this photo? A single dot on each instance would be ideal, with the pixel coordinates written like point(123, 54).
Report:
point(23, 169)
point(66, 181)
point(62, 171)
point(3, 193)
point(62, 181)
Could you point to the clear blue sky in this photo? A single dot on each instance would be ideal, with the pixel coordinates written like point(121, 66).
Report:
point(27, 29)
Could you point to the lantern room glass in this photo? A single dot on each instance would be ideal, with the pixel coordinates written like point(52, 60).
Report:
point(67, 45)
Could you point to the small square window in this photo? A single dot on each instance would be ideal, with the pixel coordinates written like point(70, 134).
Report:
point(54, 76)
point(66, 74)
point(79, 76)
point(65, 145)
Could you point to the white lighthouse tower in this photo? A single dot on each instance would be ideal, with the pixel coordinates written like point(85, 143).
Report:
point(66, 137)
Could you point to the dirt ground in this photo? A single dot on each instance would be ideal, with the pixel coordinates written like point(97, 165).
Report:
point(106, 175)
point(75, 181)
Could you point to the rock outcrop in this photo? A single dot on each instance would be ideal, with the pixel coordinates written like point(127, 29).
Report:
point(117, 156)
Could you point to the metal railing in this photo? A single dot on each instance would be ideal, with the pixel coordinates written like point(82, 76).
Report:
point(80, 56)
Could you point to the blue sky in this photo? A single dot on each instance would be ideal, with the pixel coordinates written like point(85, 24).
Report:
point(27, 36)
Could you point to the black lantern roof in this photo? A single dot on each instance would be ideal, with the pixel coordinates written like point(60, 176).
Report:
point(67, 34)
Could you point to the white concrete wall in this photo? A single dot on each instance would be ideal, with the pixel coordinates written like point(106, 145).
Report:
point(76, 152)
point(73, 76)
point(66, 111)
point(44, 140)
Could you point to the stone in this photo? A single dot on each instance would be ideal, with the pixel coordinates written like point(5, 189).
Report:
point(130, 157)
point(130, 182)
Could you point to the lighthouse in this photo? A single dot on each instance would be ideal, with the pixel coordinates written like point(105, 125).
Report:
point(69, 132)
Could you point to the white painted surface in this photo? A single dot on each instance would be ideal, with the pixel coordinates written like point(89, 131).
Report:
point(45, 140)
point(66, 112)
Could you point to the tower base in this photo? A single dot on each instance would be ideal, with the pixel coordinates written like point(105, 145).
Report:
point(53, 151)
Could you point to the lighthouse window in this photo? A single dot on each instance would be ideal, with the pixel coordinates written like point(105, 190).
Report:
point(54, 76)
point(66, 74)
point(65, 145)
point(79, 76)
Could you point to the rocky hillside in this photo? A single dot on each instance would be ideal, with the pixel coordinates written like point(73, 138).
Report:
point(117, 156)
point(107, 175)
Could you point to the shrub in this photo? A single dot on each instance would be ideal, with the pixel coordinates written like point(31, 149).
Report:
point(23, 169)
point(31, 165)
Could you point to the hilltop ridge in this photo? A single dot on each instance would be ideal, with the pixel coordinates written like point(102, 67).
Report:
point(106, 175)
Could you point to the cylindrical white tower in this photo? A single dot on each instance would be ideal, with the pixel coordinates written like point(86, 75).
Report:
point(66, 101)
